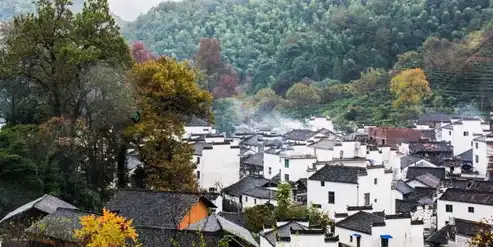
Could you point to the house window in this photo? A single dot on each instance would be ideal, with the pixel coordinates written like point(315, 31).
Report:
point(476, 145)
point(476, 158)
point(205, 129)
point(449, 208)
point(332, 197)
point(317, 205)
point(450, 133)
point(270, 170)
point(198, 174)
point(286, 163)
point(198, 160)
point(470, 209)
point(367, 199)
point(341, 153)
point(322, 183)
point(254, 201)
point(385, 242)
point(246, 198)
point(212, 189)
point(351, 238)
point(466, 133)
point(375, 181)
point(286, 177)
point(375, 200)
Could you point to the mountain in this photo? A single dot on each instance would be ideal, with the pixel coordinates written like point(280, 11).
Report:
point(333, 43)
point(11, 8)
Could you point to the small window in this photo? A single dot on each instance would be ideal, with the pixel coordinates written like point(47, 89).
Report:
point(375, 181)
point(286, 177)
point(466, 133)
point(205, 129)
point(470, 209)
point(332, 197)
point(449, 208)
point(317, 205)
point(198, 160)
point(341, 154)
point(270, 170)
point(476, 145)
point(198, 174)
point(212, 189)
point(385, 242)
point(450, 133)
point(367, 199)
point(286, 163)
point(446, 222)
point(476, 158)
point(254, 201)
point(246, 198)
point(351, 238)
point(375, 200)
point(322, 183)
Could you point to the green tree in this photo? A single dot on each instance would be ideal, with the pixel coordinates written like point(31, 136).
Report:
point(301, 96)
point(283, 199)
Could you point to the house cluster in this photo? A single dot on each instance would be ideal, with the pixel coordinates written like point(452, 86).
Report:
point(423, 186)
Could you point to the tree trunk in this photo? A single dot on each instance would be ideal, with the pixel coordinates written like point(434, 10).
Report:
point(121, 165)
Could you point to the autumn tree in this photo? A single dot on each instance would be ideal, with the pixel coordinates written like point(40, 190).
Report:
point(301, 96)
point(167, 94)
point(410, 87)
point(140, 53)
point(108, 230)
point(228, 83)
point(484, 235)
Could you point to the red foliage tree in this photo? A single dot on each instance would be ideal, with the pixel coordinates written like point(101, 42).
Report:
point(208, 57)
point(228, 83)
point(140, 53)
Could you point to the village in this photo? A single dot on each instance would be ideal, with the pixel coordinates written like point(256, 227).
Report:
point(378, 186)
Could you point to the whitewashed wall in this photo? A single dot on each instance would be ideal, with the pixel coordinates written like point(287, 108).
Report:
point(460, 210)
point(219, 166)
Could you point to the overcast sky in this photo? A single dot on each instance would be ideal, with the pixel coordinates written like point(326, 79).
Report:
point(130, 9)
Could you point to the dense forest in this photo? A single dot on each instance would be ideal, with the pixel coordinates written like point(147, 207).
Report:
point(345, 51)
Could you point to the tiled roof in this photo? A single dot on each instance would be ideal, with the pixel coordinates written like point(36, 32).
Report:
point(341, 174)
point(421, 194)
point(299, 135)
point(360, 222)
point(47, 204)
point(255, 160)
point(459, 227)
point(402, 187)
point(467, 196)
point(154, 208)
point(482, 186)
point(161, 237)
point(426, 147)
point(283, 231)
point(324, 144)
point(409, 160)
point(254, 140)
point(198, 147)
point(238, 218)
point(434, 117)
point(405, 205)
point(195, 122)
point(428, 134)
point(415, 171)
point(466, 156)
point(215, 223)
point(59, 225)
point(428, 180)
point(441, 236)
point(246, 183)
point(261, 193)
point(456, 183)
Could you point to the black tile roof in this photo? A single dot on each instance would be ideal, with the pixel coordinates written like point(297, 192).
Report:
point(456, 183)
point(324, 144)
point(486, 186)
point(402, 206)
point(402, 187)
point(254, 140)
point(246, 183)
point(466, 156)
point(421, 194)
point(428, 180)
point(154, 208)
point(429, 147)
point(337, 173)
point(59, 225)
point(361, 222)
point(441, 236)
point(459, 227)
point(261, 193)
point(198, 147)
point(255, 160)
point(161, 237)
point(415, 171)
point(238, 218)
point(299, 135)
point(434, 117)
point(283, 231)
point(467, 196)
point(409, 160)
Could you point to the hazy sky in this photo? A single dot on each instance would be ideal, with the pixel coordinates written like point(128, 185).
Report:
point(130, 9)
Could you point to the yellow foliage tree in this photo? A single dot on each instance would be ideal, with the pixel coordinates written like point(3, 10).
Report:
point(410, 87)
point(108, 230)
point(167, 94)
point(484, 235)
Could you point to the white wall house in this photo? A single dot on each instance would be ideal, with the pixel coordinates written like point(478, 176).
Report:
point(295, 166)
point(464, 204)
point(461, 133)
point(482, 149)
point(370, 230)
point(259, 196)
point(319, 122)
point(196, 125)
point(214, 172)
point(333, 188)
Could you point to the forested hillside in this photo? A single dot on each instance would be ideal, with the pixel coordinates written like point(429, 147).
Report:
point(328, 43)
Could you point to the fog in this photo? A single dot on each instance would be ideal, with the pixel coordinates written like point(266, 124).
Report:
point(129, 10)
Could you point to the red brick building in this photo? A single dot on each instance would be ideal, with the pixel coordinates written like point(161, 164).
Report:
point(386, 136)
